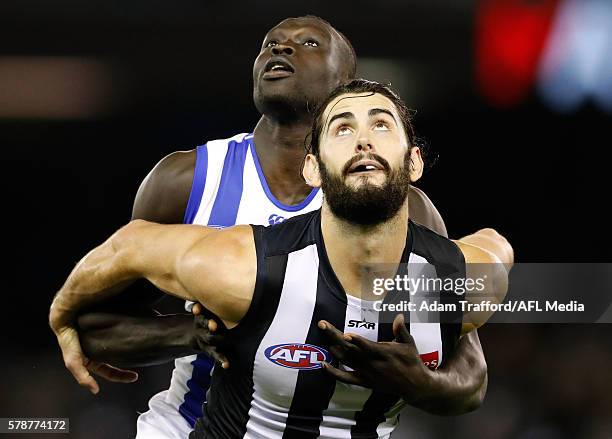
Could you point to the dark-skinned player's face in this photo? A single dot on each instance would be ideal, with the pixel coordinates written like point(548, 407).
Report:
point(300, 62)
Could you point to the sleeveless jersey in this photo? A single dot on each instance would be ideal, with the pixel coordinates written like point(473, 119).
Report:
point(276, 387)
point(228, 188)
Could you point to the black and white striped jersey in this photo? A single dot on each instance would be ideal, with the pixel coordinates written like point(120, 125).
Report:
point(276, 387)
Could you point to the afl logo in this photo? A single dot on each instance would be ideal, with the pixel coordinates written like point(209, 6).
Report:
point(297, 356)
point(275, 219)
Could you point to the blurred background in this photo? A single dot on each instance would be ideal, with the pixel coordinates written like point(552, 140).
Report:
point(513, 96)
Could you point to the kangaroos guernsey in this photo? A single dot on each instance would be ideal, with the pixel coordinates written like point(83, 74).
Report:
point(276, 387)
point(228, 188)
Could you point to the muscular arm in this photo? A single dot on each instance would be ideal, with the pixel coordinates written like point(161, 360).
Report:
point(461, 384)
point(130, 341)
point(131, 336)
point(190, 262)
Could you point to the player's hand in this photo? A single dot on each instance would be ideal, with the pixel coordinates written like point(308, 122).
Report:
point(391, 367)
point(75, 360)
point(206, 336)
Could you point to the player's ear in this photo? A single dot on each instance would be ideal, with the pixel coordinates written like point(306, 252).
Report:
point(310, 171)
point(416, 164)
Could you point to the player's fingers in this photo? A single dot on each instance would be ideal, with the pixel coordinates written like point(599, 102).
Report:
point(196, 309)
point(344, 375)
point(209, 325)
point(212, 325)
point(80, 373)
point(201, 322)
point(74, 359)
point(112, 373)
point(364, 345)
point(335, 336)
point(401, 332)
point(219, 358)
point(339, 353)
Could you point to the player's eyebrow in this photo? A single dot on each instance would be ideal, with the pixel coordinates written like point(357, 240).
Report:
point(345, 115)
point(375, 111)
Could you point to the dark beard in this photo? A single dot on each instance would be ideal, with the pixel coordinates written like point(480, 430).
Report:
point(368, 205)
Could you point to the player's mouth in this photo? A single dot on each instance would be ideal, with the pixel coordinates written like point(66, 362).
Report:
point(364, 167)
point(278, 68)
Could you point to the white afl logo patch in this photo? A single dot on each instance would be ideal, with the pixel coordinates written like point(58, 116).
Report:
point(297, 356)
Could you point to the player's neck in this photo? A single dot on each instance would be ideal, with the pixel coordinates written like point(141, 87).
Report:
point(280, 149)
point(352, 248)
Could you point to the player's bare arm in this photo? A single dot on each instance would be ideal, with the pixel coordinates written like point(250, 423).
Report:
point(216, 268)
point(135, 341)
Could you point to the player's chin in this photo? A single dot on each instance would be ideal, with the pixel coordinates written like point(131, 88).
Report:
point(272, 85)
point(361, 180)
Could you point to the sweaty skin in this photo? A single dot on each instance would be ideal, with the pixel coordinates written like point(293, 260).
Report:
point(112, 337)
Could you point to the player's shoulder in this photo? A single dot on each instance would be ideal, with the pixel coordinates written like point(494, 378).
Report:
point(163, 194)
point(228, 142)
point(176, 165)
point(434, 247)
point(179, 164)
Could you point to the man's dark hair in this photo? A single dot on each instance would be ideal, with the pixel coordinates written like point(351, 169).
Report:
point(359, 86)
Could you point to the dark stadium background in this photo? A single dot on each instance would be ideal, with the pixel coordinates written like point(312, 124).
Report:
point(93, 94)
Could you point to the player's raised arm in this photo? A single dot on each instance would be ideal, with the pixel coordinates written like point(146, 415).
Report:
point(489, 258)
point(191, 262)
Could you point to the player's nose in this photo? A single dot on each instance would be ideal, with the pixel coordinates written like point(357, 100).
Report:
point(364, 144)
point(282, 49)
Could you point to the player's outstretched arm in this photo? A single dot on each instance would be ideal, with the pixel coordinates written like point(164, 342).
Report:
point(137, 341)
point(191, 262)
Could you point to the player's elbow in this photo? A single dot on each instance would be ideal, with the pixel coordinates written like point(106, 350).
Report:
point(500, 245)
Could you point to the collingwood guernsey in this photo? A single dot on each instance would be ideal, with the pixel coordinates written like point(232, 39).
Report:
point(276, 387)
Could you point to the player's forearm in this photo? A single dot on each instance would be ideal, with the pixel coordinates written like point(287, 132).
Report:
point(136, 341)
point(138, 250)
point(102, 273)
point(460, 385)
